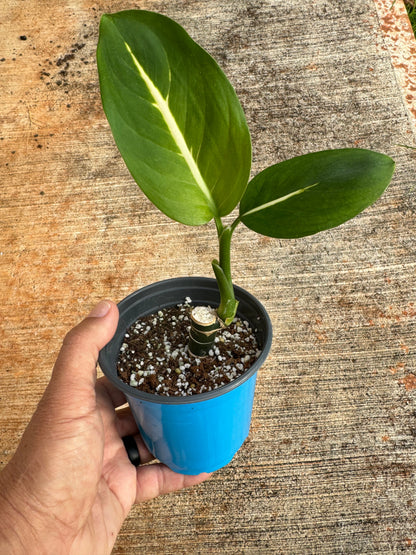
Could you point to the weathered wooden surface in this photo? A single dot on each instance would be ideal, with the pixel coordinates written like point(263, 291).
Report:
point(329, 466)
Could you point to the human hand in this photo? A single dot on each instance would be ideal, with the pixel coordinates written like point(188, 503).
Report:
point(70, 484)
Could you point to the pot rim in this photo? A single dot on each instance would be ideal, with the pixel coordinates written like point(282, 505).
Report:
point(123, 324)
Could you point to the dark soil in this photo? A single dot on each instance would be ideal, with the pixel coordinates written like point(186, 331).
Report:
point(154, 356)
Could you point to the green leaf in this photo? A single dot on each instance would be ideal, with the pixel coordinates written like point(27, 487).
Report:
point(314, 192)
point(174, 115)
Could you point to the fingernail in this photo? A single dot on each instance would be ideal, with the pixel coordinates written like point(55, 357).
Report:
point(100, 310)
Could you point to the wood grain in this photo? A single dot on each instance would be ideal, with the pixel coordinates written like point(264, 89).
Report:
point(329, 465)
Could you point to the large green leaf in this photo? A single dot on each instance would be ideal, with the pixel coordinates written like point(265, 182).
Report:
point(174, 115)
point(314, 192)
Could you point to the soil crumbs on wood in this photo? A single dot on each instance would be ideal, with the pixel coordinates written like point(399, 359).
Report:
point(154, 356)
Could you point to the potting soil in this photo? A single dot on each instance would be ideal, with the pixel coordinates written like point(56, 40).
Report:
point(154, 355)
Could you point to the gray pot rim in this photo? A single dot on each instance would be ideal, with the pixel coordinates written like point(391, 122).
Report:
point(128, 308)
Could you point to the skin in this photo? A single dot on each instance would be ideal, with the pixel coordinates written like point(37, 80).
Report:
point(70, 485)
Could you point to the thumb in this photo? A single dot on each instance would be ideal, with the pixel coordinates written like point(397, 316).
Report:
point(74, 374)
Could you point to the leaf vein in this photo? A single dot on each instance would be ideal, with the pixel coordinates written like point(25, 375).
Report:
point(278, 200)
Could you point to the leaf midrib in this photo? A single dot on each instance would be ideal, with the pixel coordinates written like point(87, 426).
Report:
point(278, 200)
point(162, 105)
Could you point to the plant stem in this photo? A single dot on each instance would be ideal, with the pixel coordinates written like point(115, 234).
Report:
point(202, 334)
point(222, 269)
point(219, 225)
point(225, 252)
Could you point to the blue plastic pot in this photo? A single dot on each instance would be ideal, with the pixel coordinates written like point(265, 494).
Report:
point(198, 433)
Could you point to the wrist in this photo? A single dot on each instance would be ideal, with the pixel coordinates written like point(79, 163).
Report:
point(17, 533)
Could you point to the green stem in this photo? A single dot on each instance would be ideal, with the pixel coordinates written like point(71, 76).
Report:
point(225, 252)
point(222, 269)
point(219, 225)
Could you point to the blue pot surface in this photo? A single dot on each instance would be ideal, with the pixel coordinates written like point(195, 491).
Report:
point(197, 437)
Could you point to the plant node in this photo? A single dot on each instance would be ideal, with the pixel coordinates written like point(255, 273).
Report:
point(204, 327)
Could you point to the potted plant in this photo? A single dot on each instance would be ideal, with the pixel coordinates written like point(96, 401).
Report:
point(182, 133)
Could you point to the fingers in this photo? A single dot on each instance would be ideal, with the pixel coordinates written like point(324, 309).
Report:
point(108, 399)
point(126, 425)
point(152, 480)
point(145, 455)
point(157, 479)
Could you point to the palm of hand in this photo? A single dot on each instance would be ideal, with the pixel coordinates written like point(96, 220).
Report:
point(75, 474)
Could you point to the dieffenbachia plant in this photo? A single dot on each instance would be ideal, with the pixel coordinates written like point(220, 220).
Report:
point(183, 135)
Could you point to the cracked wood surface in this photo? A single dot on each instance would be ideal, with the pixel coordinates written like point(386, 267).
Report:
point(329, 465)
